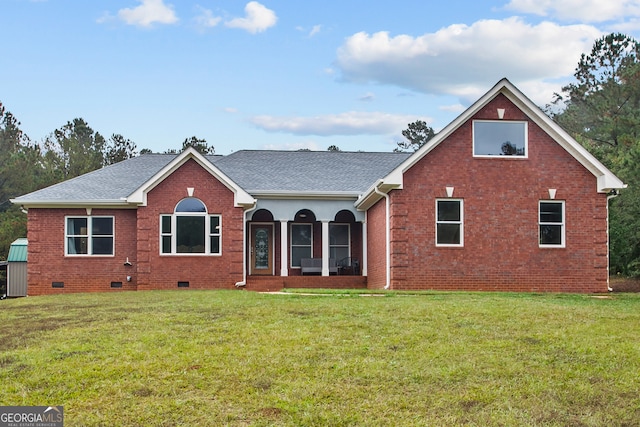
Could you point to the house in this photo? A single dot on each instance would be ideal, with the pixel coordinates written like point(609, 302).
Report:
point(500, 199)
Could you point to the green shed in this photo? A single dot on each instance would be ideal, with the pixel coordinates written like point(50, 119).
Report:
point(17, 269)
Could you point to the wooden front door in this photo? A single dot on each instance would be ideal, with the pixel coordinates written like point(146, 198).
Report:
point(261, 249)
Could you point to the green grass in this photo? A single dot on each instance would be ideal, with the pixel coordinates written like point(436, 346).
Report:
point(239, 358)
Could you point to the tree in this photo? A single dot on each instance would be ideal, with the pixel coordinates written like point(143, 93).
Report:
point(20, 172)
point(602, 105)
point(199, 144)
point(73, 150)
point(417, 134)
point(601, 110)
point(118, 148)
point(333, 148)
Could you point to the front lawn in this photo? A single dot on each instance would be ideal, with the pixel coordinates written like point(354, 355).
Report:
point(239, 358)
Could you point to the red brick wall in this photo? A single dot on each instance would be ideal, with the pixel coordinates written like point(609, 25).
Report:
point(157, 271)
point(47, 262)
point(376, 246)
point(149, 270)
point(501, 197)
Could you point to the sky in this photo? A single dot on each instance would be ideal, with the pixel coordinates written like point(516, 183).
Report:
point(283, 74)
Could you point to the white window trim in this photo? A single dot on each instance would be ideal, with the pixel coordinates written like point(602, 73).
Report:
point(291, 245)
point(487, 156)
point(461, 223)
point(562, 224)
point(348, 245)
point(208, 234)
point(89, 236)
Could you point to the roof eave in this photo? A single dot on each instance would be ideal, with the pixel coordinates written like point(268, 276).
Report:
point(371, 196)
point(241, 197)
point(323, 195)
point(109, 203)
point(606, 180)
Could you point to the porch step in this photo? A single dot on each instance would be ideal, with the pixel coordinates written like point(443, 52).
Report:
point(277, 283)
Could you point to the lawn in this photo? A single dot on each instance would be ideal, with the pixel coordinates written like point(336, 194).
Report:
point(239, 358)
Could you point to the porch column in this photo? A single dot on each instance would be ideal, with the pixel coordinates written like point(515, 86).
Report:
point(325, 247)
point(284, 246)
point(364, 247)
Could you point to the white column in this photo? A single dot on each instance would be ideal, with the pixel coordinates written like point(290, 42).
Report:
point(325, 248)
point(284, 247)
point(364, 246)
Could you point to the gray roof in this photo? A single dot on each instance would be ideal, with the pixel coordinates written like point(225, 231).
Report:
point(109, 183)
point(253, 170)
point(307, 171)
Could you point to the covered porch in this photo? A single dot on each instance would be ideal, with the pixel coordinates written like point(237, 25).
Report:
point(305, 243)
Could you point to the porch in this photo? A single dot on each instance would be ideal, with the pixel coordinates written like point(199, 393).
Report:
point(278, 283)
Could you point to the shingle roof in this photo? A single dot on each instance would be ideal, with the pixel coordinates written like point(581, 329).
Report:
point(307, 171)
point(253, 170)
point(109, 183)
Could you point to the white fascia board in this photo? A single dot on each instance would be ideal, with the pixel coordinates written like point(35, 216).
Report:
point(322, 195)
point(371, 196)
point(241, 197)
point(606, 180)
point(103, 204)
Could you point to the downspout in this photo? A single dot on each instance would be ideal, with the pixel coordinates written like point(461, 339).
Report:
point(609, 197)
point(244, 247)
point(387, 236)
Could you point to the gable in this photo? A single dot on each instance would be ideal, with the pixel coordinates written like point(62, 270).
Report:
point(241, 197)
point(503, 96)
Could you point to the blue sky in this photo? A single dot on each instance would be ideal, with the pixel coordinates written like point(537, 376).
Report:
point(282, 74)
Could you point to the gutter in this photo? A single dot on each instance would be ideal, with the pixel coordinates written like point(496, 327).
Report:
point(244, 247)
point(387, 237)
point(613, 194)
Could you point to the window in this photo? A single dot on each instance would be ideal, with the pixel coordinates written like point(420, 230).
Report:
point(339, 241)
point(499, 138)
point(190, 230)
point(449, 222)
point(551, 223)
point(89, 235)
point(301, 243)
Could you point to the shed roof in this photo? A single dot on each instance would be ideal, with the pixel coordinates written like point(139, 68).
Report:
point(18, 251)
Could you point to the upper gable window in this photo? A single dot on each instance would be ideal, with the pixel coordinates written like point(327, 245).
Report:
point(499, 138)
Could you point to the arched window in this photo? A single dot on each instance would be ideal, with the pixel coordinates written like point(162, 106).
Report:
point(190, 230)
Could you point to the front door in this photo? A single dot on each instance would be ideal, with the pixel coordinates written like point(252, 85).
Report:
point(261, 249)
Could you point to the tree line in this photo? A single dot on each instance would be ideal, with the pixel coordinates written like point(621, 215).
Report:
point(600, 108)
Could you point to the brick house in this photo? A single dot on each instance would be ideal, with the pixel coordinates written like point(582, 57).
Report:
point(500, 199)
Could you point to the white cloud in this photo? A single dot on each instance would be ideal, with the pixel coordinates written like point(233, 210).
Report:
point(349, 123)
point(578, 10)
point(148, 13)
point(466, 60)
point(294, 146)
point(258, 18)
point(207, 19)
point(454, 108)
point(315, 30)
